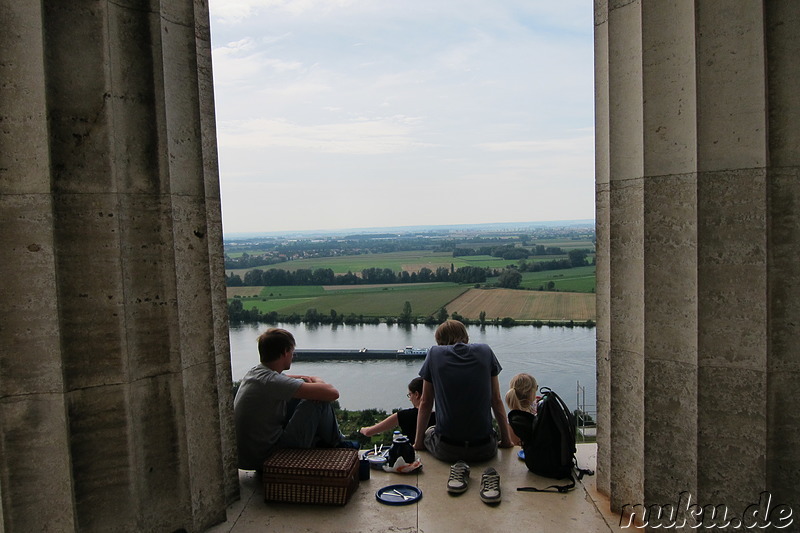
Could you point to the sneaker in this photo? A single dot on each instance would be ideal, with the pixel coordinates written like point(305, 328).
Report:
point(459, 478)
point(490, 486)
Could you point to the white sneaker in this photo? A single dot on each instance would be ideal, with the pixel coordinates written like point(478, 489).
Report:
point(459, 478)
point(490, 486)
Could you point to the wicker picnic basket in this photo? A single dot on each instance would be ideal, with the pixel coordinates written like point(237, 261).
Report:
point(319, 475)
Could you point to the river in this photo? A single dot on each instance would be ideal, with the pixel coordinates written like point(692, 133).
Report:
point(558, 357)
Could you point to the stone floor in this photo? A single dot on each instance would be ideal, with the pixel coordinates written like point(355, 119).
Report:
point(437, 511)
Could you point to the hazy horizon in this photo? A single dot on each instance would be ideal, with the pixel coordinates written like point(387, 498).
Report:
point(497, 226)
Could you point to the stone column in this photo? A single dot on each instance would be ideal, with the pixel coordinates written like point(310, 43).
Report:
point(602, 227)
point(783, 269)
point(626, 272)
point(114, 366)
point(697, 105)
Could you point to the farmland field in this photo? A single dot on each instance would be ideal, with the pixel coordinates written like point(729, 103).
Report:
point(580, 279)
point(524, 305)
point(370, 301)
point(243, 292)
point(292, 291)
point(426, 299)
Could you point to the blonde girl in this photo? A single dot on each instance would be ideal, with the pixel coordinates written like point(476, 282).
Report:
point(522, 393)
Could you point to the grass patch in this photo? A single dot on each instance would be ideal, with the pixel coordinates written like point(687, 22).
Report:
point(292, 291)
point(381, 303)
point(581, 279)
point(243, 292)
point(281, 305)
point(369, 301)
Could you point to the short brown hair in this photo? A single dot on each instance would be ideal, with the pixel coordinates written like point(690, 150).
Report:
point(415, 385)
point(451, 332)
point(273, 343)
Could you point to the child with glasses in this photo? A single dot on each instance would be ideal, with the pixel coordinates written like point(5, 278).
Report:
point(405, 418)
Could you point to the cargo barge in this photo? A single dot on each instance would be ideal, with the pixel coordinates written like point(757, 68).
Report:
point(363, 354)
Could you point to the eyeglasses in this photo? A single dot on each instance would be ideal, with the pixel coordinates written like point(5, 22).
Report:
point(408, 395)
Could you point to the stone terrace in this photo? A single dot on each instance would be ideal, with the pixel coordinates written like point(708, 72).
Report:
point(582, 509)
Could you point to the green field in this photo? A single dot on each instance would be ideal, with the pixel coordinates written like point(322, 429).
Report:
point(376, 301)
point(581, 279)
point(396, 262)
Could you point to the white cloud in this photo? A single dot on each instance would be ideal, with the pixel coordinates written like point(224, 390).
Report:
point(237, 11)
point(568, 145)
point(460, 111)
point(365, 137)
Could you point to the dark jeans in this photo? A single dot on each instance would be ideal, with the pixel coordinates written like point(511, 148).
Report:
point(310, 424)
point(452, 453)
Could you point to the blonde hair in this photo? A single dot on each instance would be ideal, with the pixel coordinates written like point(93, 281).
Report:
point(451, 332)
point(522, 393)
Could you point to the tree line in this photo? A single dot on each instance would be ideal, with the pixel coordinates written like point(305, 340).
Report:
point(508, 251)
point(326, 276)
point(238, 314)
point(509, 277)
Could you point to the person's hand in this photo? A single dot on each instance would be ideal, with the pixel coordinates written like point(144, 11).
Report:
point(363, 431)
point(419, 446)
point(505, 444)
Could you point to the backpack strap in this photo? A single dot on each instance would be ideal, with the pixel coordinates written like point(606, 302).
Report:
point(581, 471)
point(551, 488)
point(562, 488)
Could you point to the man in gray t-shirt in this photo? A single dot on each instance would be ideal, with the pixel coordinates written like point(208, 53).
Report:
point(462, 379)
point(273, 409)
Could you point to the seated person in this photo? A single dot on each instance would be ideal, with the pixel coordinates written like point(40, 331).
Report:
point(405, 418)
point(462, 379)
point(276, 410)
point(521, 396)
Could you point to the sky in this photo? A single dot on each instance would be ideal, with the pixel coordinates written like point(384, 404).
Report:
point(367, 113)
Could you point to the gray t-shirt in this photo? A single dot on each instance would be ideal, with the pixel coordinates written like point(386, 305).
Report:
point(461, 375)
point(260, 413)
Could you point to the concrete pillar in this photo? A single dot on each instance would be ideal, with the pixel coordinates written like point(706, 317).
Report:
point(602, 227)
point(115, 366)
point(732, 251)
point(626, 273)
point(698, 112)
point(670, 249)
point(783, 271)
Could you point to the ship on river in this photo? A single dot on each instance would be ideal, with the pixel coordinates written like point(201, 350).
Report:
point(363, 354)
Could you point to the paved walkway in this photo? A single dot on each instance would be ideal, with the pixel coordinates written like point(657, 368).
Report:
point(437, 511)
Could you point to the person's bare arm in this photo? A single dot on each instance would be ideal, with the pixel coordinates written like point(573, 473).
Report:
point(384, 425)
point(307, 379)
point(323, 392)
point(424, 414)
point(499, 410)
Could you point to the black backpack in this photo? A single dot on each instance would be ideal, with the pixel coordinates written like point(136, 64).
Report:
point(548, 440)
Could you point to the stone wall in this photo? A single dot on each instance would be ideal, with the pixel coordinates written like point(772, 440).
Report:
point(698, 152)
point(115, 367)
